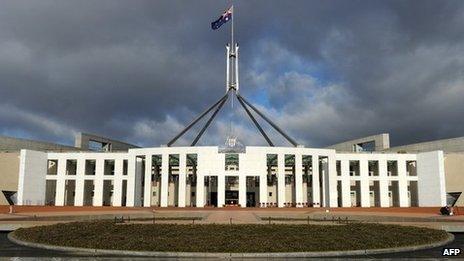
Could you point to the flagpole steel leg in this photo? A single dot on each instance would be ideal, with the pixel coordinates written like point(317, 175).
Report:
point(292, 141)
point(209, 121)
point(196, 120)
point(255, 122)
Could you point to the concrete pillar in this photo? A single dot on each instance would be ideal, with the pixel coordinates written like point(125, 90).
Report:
point(221, 190)
point(182, 179)
point(79, 198)
point(98, 183)
point(263, 188)
point(242, 190)
point(315, 181)
point(147, 181)
point(280, 180)
point(402, 184)
point(117, 191)
point(332, 179)
point(431, 182)
point(324, 169)
point(346, 186)
point(164, 179)
point(298, 180)
point(60, 187)
point(131, 165)
point(200, 194)
point(60, 182)
point(364, 174)
point(383, 182)
point(138, 190)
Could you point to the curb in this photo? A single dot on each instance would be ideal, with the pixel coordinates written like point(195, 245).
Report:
point(91, 251)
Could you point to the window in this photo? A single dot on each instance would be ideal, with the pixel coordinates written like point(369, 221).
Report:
point(52, 167)
point(231, 161)
point(124, 167)
point(71, 167)
point(270, 194)
point(339, 168)
point(90, 167)
point(109, 168)
point(193, 194)
point(354, 168)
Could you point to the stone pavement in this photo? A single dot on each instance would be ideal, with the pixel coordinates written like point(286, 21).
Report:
point(32, 216)
point(235, 217)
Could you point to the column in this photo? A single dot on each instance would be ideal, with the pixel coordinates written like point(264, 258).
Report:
point(117, 189)
point(383, 183)
point(242, 190)
point(402, 183)
point(221, 190)
point(60, 182)
point(200, 194)
point(346, 185)
point(131, 165)
point(80, 174)
point(263, 188)
point(182, 179)
point(147, 181)
point(280, 180)
point(298, 180)
point(98, 183)
point(315, 181)
point(164, 179)
point(364, 174)
point(332, 179)
point(323, 169)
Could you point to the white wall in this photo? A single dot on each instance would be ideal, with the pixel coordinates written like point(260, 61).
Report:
point(431, 179)
point(32, 173)
point(431, 188)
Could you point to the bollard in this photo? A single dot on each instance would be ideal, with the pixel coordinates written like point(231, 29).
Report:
point(230, 221)
point(269, 220)
point(193, 221)
point(154, 218)
point(308, 220)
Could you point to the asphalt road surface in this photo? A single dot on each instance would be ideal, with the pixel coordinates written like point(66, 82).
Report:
point(9, 249)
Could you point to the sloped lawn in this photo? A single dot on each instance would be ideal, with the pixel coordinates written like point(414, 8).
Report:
point(228, 238)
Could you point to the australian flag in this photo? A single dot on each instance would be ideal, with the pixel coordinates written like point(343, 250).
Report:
point(224, 18)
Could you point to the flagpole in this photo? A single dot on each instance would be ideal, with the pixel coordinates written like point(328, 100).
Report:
point(232, 29)
point(232, 82)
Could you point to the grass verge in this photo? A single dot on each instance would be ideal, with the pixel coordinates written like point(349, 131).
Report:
point(229, 238)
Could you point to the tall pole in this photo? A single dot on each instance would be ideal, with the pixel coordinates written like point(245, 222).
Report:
point(232, 80)
point(232, 29)
point(232, 53)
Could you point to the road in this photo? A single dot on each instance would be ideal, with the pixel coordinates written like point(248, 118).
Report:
point(9, 249)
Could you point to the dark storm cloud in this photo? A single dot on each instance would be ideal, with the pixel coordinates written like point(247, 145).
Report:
point(140, 70)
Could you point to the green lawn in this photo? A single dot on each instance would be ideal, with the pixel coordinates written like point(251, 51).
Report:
point(229, 238)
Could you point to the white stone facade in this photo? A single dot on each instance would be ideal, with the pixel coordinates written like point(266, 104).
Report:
point(201, 176)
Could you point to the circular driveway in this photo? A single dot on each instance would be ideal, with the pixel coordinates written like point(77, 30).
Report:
point(9, 249)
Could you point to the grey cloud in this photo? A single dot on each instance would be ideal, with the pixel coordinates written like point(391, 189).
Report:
point(140, 70)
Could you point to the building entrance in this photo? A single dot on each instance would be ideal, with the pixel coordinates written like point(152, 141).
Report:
point(231, 197)
point(251, 201)
point(213, 197)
